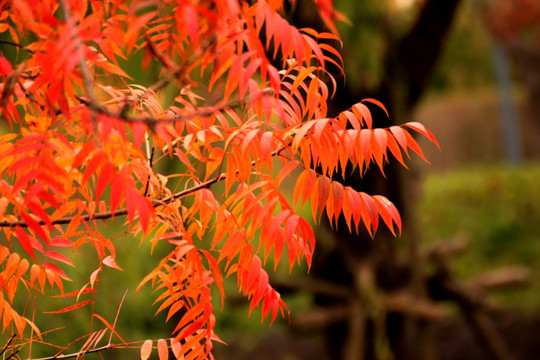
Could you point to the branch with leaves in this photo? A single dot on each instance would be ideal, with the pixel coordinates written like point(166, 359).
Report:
point(238, 133)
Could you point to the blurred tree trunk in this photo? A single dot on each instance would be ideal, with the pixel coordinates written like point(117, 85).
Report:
point(516, 25)
point(371, 267)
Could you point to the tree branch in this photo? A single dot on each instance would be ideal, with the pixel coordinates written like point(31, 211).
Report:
point(122, 212)
point(78, 354)
point(12, 43)
point(151, 121)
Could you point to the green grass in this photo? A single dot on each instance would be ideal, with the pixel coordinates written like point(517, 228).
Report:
point(498, 210)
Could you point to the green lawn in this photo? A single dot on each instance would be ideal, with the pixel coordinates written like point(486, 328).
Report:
point(498, 210)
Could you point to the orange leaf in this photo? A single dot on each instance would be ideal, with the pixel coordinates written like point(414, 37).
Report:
point(176, 348)
point(378, 103)
point(412, 144)
point(370, 215)
point(388, 212)
point(399, 135)
point(74, 293)
point(94, 276)
point(106, 323)
point(69, 308)
point(146, 349)
point(422, 130)
point(363, 113)
point(111, 262)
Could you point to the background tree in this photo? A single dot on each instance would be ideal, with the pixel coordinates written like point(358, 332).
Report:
point(403, 55)
point(517, 26)
point(82, 145)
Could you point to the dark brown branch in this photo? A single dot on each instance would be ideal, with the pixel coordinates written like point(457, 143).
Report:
point(7, 42)
point(121, 212)
point(4, 348)
point(155, 203)
point(151, 164)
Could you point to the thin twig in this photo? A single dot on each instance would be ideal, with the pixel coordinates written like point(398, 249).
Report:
point(150, 162)
point(7, 344)
point(117, 314)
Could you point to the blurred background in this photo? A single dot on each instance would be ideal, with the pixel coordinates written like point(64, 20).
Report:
point(463, 280)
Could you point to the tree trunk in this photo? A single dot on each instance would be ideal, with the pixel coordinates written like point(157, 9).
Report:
point(409, 65)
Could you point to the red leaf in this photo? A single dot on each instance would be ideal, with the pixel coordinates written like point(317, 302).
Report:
point(25, 242)
point(247, 139)
point(191, 23)
point(285, 171)
point(144, 209)
point(61, 242)
point(355, 206)
point(56, 270)
point(117, 191)
point(323, 192)
point(338, 195)
point(107, 172)
point(58, 257)
point(92, 166)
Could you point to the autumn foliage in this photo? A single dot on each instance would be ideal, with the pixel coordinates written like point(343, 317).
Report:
point(239, 104)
